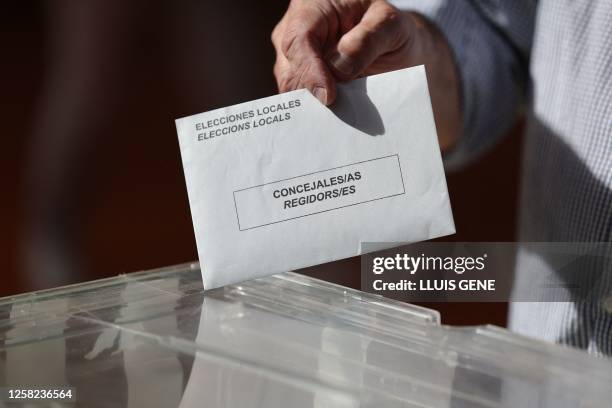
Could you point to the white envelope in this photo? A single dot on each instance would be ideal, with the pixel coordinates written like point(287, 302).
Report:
point(285, 182)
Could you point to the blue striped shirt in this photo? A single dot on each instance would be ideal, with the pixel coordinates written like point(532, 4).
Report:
point(554, 58)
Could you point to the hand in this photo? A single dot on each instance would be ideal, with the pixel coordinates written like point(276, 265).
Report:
point(318, 42)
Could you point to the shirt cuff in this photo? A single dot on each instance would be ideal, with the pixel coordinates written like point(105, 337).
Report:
point(489, 71)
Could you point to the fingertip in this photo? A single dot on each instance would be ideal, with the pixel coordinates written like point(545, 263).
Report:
point(321, 94)
point(342, 64)
point(325, 95)
point(331, 95)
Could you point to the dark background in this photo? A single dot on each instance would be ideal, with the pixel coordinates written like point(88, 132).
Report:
point(96, 86)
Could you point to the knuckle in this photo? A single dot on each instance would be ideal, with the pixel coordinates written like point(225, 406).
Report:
point(389, 15)
point(355, 44)
point(276, 34)
point(296, 40)
point(389, 11)
point(287, 43)
point(276, 69)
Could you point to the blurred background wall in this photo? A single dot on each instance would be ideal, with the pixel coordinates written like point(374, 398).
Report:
point(89, 159)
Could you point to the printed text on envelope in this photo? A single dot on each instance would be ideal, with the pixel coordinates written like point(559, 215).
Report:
point(318, 192)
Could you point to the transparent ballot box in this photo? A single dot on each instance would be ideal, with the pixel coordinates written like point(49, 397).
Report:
point(156, 339)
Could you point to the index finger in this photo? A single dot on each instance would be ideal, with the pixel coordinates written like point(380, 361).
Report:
point(298, 40)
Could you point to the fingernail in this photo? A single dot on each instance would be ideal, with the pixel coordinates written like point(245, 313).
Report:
point(321, 94)
point(342, 63)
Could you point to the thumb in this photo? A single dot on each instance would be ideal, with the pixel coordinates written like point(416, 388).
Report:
point(380, 31)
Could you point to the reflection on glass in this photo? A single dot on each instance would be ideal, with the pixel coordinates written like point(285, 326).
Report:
point(156, 339)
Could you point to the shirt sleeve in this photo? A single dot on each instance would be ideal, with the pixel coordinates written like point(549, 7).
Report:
point(491, 42)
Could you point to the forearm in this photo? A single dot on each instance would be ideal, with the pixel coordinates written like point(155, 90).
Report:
point(431, 49)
